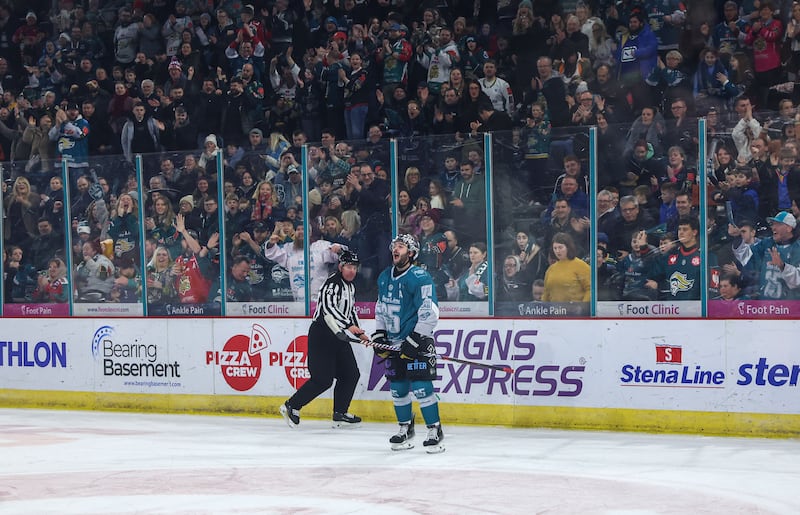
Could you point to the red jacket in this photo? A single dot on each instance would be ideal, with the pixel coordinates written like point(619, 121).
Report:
point(766, 45)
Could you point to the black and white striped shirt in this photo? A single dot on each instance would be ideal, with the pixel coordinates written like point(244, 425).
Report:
point(337, 298)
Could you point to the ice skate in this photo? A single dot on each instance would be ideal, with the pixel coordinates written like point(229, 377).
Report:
point(290, 415)
point(345, 420)
point(433, 443)
point(404, 439)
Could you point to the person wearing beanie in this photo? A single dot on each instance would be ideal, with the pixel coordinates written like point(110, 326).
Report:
point(188, 199)
point(191, 215)
point(28, 34)
point(177, 77)
point(210, 151)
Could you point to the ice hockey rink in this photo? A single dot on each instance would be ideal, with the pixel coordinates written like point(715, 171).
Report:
point(83, 462)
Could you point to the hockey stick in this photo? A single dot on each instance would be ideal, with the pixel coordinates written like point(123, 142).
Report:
point(499, 368)
point(381, 346)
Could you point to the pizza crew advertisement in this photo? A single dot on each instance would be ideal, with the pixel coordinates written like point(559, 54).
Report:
point(244, 356)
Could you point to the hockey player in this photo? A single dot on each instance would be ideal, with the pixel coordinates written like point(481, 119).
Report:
point(405, 315)
point(330, 355)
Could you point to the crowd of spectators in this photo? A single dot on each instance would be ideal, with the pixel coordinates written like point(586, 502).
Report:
point(90, 85)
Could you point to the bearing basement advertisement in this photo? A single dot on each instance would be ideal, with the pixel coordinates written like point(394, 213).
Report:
point(141, 357)
point(718, 366)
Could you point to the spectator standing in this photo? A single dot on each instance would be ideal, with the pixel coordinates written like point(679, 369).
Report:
point(369, 194)
point(150, 41)
point(21, 212)
point(438, 59)
point(779, 188)
point(432, 244)
point(235, 117)
point(728, 34)
point(764, 35)
point(120, 107)
point(102, 140)
point(681, 130)
point(746, 130)
point(569, 278)
point(193, 268)
point(668, 81)
point(42, 149)
point(468, 205)
point(181, 132)
point(221, 35)
point(208, 108)
point(126, 37)
point(637, 55)
point(124, 229)
point(141, 134)
point(71, 133)
point(357, 93)
point(549, 86)
point(161, 227)
point(498, 90)
point(395, 54)
point(667, 18)
point(241, 53)
point(174, 26)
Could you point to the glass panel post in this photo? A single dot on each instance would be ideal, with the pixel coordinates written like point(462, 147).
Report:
point(488, 184)
point(593, 217)
point(702, 181)
point(142, 232)
point(223, 276)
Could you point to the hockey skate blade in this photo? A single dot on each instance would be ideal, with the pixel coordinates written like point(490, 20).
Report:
point(285, 415)
point(402, 446)
point(434, 449)
point(345, 425)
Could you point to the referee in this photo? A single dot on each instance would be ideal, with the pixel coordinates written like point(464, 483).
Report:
point(330, 355)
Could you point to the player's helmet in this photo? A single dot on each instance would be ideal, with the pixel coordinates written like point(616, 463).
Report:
point(408, 240)
point(348, 258)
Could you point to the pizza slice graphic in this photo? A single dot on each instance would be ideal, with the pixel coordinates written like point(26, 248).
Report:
point(259, 340)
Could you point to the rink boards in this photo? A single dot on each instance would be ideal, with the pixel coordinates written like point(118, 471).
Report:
point(699, 376)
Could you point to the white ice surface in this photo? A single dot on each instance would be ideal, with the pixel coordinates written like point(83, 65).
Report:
point(68, 462)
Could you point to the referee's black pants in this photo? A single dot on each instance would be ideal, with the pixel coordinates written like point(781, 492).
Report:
point(328, 358)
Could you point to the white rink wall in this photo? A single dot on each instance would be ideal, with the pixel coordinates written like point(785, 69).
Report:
point(710, 376)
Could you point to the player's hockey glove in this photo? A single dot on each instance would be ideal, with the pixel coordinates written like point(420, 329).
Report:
point(416, 346)
point(380, 338)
